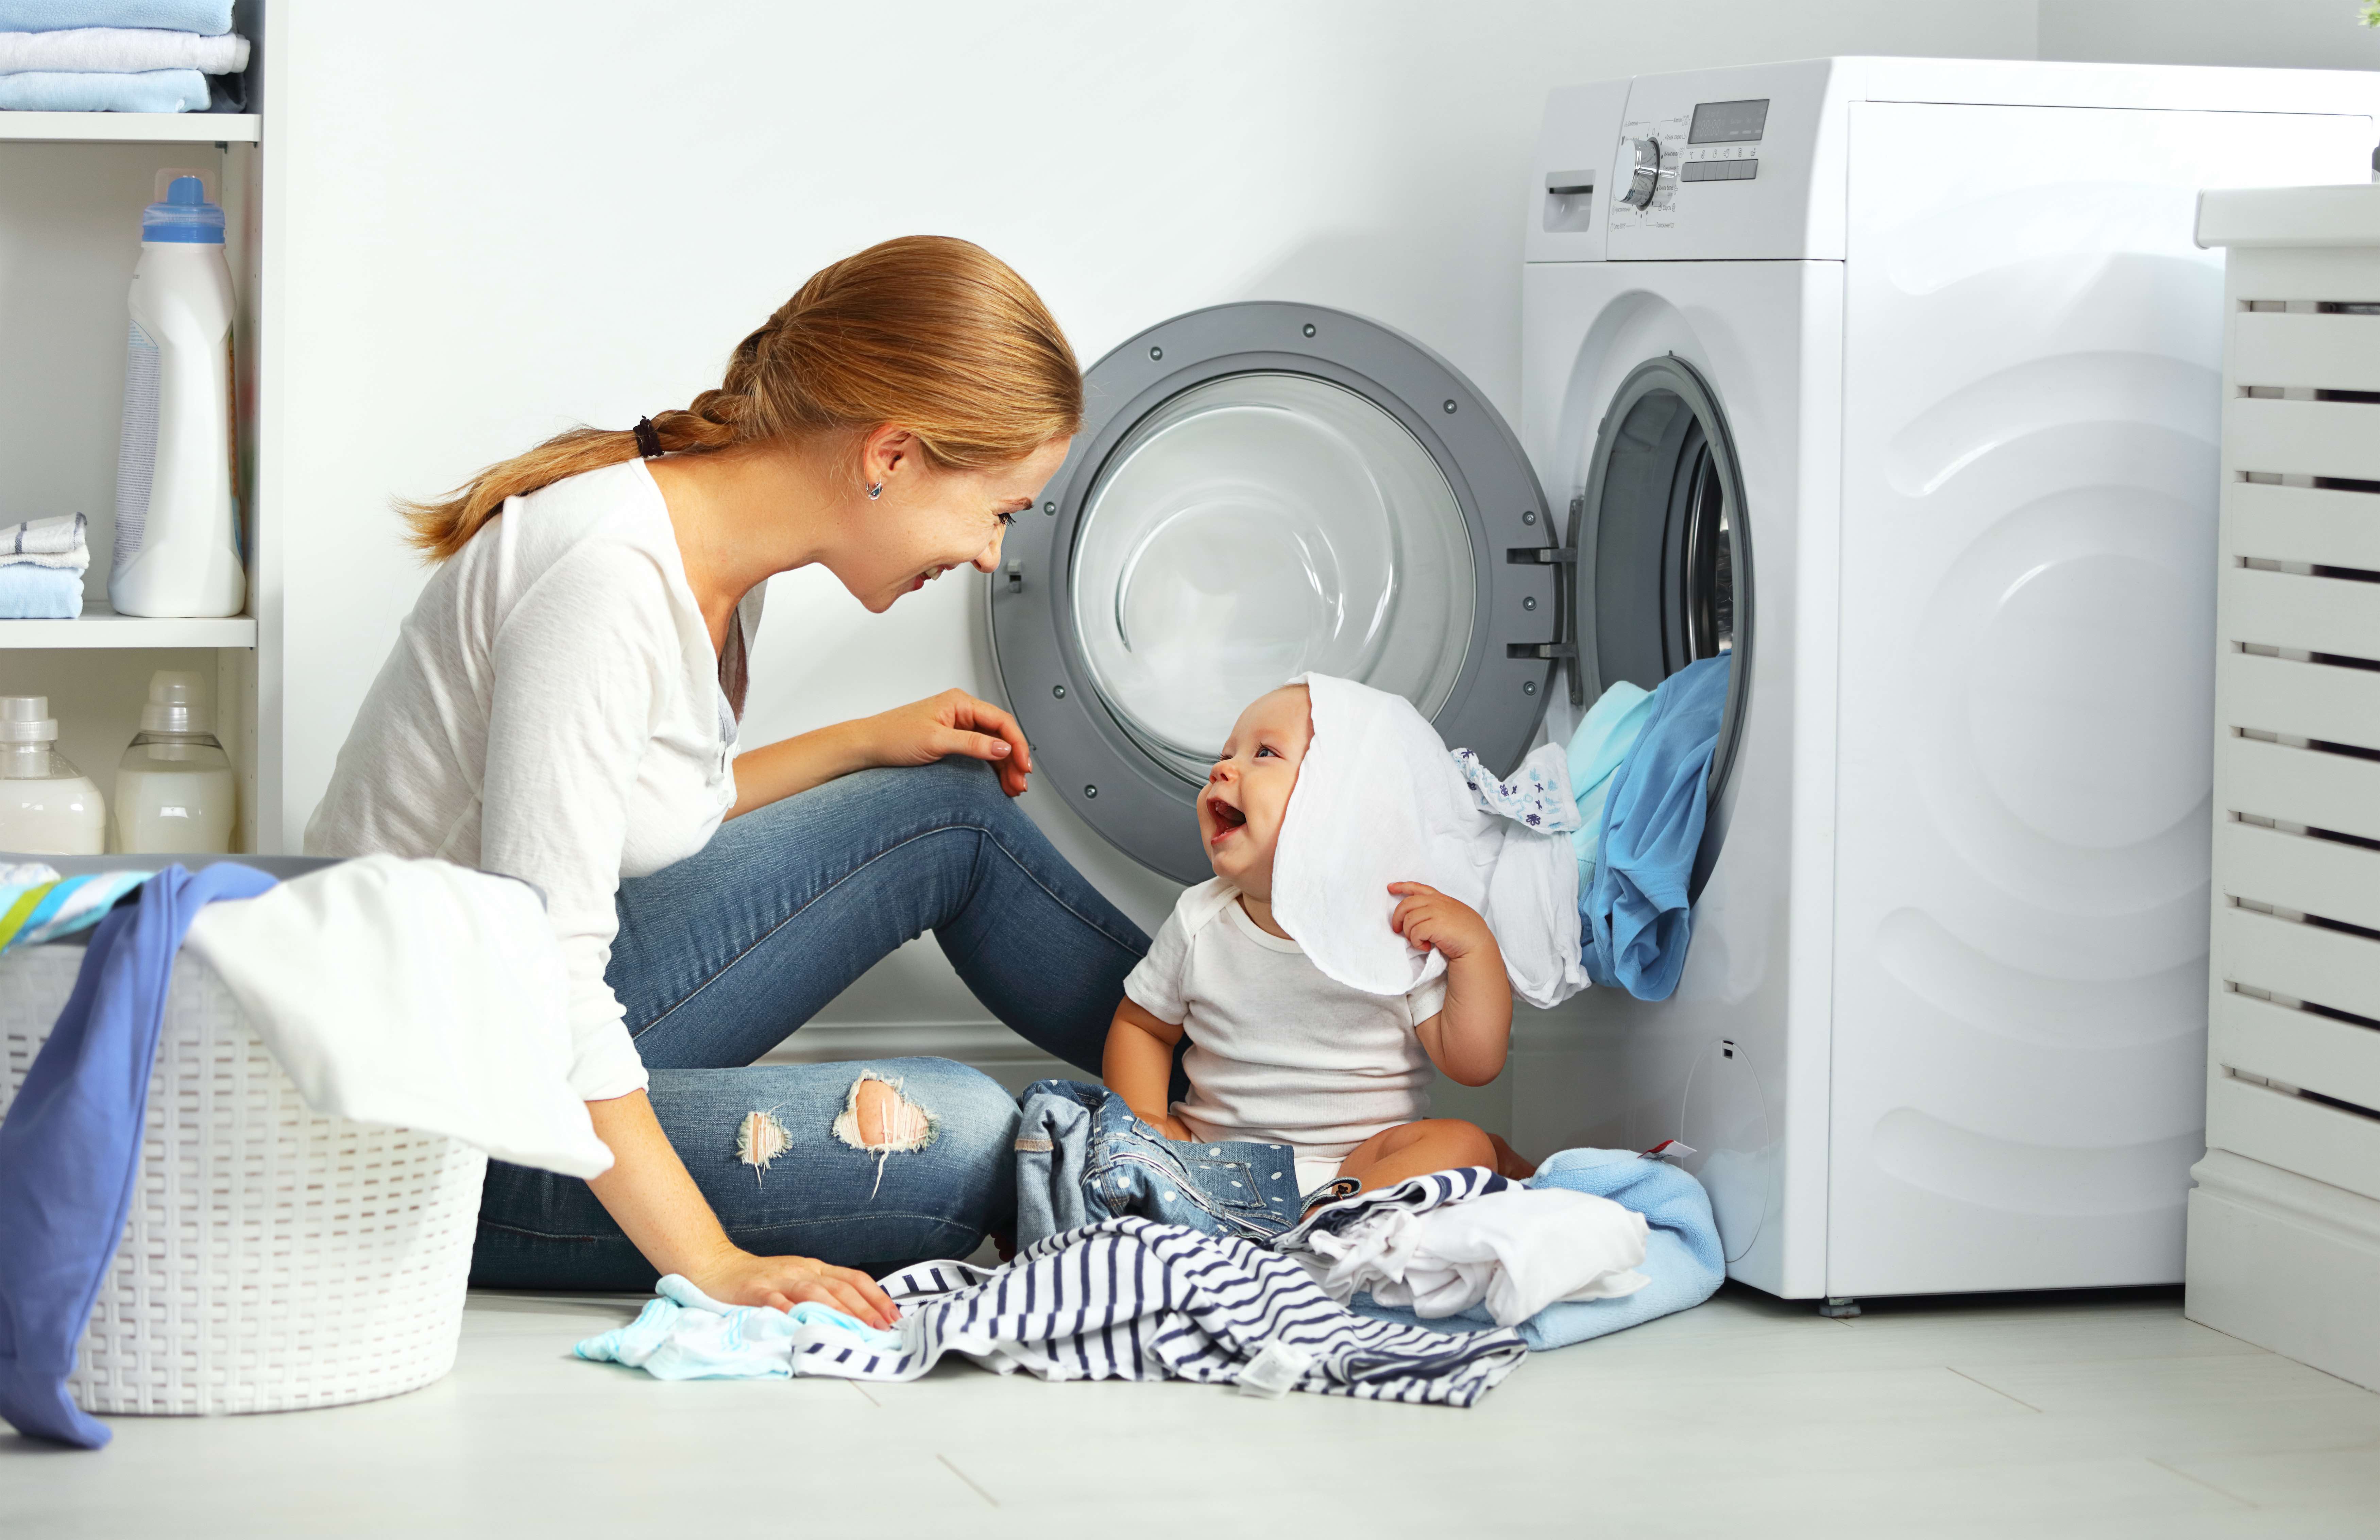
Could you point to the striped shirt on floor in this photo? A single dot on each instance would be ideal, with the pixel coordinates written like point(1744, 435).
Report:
point(1134, 1299)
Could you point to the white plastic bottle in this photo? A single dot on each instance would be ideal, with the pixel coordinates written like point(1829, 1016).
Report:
point(48, 807)
point(177, 519)
point(174, 790)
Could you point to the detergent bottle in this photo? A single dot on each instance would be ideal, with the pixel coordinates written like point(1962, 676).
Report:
point(177, 519)
point(176, 792)
point(48, 807)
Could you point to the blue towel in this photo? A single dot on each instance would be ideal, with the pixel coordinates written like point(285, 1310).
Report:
point(1635, 920)
point(28, 592)
point(149, 90)
point(70, 1148)
point(1605, 734)
point(1682, 1251)
point(211, 17)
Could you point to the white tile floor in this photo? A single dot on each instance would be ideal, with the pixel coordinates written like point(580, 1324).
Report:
point(2092, 1416)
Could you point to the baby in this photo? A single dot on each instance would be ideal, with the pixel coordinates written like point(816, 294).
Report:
point(1278, 1051)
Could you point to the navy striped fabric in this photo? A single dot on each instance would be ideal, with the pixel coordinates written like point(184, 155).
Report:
point(1131, 1298)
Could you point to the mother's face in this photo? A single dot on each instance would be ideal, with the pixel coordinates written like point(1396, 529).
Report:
point(927, 522)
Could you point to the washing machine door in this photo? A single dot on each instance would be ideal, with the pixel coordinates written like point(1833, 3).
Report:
point(1664, 543)
point(1260, 490)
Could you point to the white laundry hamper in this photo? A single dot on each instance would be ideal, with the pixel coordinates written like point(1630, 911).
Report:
point(274, 1258)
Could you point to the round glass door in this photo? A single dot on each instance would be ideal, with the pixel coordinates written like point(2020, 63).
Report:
point(1254, 527)
point(1259, 490)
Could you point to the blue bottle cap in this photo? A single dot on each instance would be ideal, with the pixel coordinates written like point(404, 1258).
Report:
point(185, 216)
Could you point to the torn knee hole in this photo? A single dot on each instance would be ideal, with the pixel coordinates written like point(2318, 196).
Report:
point(876, 1118)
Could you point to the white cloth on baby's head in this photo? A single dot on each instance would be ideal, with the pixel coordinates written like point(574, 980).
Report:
point(1380, 800)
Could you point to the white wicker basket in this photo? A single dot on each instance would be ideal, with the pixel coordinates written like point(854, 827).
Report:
point(274, 1259)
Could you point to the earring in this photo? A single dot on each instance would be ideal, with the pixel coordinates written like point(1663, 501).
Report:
point(875, 490)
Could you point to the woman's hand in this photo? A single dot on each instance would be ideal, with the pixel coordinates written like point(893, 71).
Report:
point(951, 722)
point(1428, 918)
point(783, 1282)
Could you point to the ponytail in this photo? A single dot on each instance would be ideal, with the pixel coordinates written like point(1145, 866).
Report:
point(933, 335)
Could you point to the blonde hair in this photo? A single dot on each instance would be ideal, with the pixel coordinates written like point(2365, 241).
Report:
point(927, 332)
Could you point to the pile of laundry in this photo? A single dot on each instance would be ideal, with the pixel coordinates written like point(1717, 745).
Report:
point(120, 57)
point(1145, 1258)
point(41, 564)
point(1640, 766)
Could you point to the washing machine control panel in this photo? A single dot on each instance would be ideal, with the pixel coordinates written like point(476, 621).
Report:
point(1717, 141)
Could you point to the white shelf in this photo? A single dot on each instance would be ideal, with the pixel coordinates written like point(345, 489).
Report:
point(131, 127)
point(101, 627)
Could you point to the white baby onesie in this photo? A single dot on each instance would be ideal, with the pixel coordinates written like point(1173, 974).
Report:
point(1278, 1051)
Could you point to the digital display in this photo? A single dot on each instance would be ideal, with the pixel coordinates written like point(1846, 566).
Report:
point(1728, 122)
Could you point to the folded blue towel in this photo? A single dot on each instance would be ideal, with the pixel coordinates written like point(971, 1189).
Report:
point(1635, 922)
point(150, 90)
point(1683, 1258)
point(210, 16)
point(28, 592)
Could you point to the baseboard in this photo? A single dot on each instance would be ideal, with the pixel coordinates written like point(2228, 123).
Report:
point(2286, 1263)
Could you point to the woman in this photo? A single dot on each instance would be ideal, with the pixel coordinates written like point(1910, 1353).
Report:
point(560, 705)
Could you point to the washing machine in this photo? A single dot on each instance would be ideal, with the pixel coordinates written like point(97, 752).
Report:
point(1899, 381)
point(1896, 380)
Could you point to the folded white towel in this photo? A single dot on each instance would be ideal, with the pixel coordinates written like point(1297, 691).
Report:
point(121, 49)
point(64, 541)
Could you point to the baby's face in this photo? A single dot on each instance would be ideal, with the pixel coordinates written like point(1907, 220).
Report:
point(1247, 791)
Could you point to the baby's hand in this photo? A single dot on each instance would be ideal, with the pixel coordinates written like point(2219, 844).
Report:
point(1428, 918)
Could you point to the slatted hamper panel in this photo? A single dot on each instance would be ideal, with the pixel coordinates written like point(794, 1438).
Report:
point(2285, 1226)
point(274, 1259)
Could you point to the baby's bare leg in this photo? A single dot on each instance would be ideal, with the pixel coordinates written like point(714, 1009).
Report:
point(1511, 1162)
point(1416, 1149)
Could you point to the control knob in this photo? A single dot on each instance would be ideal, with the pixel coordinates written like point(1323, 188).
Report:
point(1645, 180)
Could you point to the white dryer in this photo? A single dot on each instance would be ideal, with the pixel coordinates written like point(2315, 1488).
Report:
point(1899, 379)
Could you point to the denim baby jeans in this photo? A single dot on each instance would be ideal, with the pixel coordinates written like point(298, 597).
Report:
point(1082, 1157)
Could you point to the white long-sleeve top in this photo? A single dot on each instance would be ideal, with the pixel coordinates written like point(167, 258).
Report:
point(551, 711)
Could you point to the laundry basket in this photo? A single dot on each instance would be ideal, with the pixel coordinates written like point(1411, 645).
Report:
point(272, 1259)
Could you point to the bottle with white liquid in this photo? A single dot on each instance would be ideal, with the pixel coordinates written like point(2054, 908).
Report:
point(174, 790)
point(48, 807)
point(176, 520)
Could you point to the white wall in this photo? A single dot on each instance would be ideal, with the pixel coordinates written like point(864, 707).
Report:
point(2291, 34)
point(495, 224)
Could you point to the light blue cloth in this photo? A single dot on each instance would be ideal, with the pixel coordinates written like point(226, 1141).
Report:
point(1635, 922)
point(70, 1148)
point(147, 91)
point(684, 1334)
point(211, 18)
point(28, 592)
point(1605, 734)
point(1683, 1258)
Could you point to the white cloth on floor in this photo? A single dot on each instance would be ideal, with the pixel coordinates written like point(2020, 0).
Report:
point(1281, 1052)
point(1380, 800)
point(114, 50)
point(413, 994)
point(62, 543)
point(1518, 1251)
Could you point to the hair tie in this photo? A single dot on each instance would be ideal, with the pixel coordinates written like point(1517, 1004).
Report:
point(649, 442)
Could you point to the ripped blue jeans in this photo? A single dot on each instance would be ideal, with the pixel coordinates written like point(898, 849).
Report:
point(723, 955)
